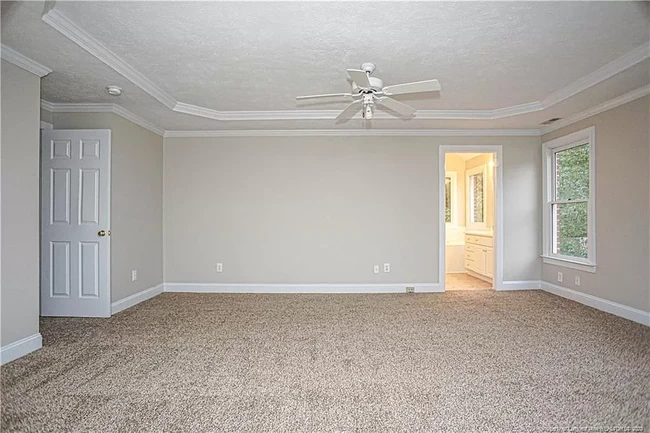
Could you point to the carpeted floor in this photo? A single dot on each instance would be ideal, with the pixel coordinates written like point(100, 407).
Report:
point(452, 362)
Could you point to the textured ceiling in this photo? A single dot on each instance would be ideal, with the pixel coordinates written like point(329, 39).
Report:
point(241, 56)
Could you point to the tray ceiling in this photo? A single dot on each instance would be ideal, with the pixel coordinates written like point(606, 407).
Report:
point(183, 65)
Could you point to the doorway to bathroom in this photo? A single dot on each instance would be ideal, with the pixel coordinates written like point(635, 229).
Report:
point(470, 218)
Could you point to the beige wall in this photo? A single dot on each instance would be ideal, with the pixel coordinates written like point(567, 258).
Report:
point(136, 199)
point(622, 207)
point(325, 210)
point(19, 170)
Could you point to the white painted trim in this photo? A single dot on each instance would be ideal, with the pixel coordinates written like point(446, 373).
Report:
point(13, 56)
point(54, 107)
point(356, 133)
point(548, 148)
point(571, 264)
point(72, 31)
point(497, 234)
point(136, 298)
point(624, 62)
point(300, 288)
point(607, 105)
point(46, 125)
point(20, 348)
point(519, 285)
point(633, 314)
point(57, 20)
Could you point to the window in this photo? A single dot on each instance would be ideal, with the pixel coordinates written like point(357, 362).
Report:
point(451, 201)
point(476, 197)
point(569, 223)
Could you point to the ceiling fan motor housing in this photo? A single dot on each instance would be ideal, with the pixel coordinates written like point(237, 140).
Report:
point(376, 84)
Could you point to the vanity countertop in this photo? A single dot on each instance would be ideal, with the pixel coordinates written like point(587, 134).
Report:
point(487, 233)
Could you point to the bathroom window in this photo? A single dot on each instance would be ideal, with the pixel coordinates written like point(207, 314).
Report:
point(569, 232)
point(451, 201)
point(476, 197)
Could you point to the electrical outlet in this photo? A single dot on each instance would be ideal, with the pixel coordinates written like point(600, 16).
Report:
point(410, 290)
point(134, 275)
point(376, 269)
point(577, 280)
point(559, 277)
point(386, 267)
point(219, 267)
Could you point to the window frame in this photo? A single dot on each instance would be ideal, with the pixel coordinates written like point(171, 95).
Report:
point(549, 149)
point(453, 175)
point(469, 193)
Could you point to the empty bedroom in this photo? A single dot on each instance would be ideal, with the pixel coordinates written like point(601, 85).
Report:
point(324, 216)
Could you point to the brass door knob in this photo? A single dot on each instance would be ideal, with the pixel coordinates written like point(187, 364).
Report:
point(101, 233)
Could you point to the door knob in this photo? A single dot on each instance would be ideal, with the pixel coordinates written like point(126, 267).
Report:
point(101, 233)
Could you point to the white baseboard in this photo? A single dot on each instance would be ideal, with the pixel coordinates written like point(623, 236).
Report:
point(300, 288)
point(519, 285)
point(20, 348)
point(639, 316)
point(135, 299)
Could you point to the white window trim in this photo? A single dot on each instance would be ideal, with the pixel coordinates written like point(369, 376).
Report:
point(455, 206)
point(548, 149)
point(481, 169)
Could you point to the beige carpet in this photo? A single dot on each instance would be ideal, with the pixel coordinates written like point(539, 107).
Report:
point(452, 362)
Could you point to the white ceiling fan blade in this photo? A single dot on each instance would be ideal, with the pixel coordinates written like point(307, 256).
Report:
point(360, 77)
point(349, 112)
point(396, 106)
point(328, 95)
point(417, 87)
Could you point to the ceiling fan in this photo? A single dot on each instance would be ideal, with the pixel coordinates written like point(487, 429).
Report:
point(368, 91)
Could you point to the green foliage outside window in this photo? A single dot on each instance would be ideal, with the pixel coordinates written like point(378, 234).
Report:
point(572, 183)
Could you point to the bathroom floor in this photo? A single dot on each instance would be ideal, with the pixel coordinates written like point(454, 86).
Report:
point(465, 282)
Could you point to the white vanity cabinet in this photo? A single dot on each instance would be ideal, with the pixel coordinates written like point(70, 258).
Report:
point(479, 255)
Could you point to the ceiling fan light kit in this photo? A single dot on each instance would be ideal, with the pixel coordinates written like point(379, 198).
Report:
point(368, 91)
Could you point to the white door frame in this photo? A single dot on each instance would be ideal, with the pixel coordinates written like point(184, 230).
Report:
point(497, 150)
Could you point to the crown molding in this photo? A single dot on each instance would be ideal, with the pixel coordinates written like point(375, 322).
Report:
point(607, 105)
point(624, 62)
point(76, 34)
point(72, 31)
point(356, 133)
point(13, 56)
point(102, 108)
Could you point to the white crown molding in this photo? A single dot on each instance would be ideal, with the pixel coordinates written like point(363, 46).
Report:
point(102, 108)
point(65, 26)
point(76, 34)
point(356, 133)
point(607, 105)
point(13, 56)
point(601, 74)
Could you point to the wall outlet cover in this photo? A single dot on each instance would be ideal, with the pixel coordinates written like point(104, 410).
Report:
point(386, 267)
point(577, 280)
point(410, 290)
point(376, 269)
point(134, 275)
point(219, 267)
point(559, 277)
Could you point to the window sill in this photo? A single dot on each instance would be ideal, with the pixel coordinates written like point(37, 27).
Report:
point(572, 264)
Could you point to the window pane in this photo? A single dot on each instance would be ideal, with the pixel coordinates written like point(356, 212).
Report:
point(572, 173)
point(570, 229)
point(447, 199)
point(477, 197)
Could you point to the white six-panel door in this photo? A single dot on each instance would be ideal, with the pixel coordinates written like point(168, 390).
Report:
point(75, 223)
